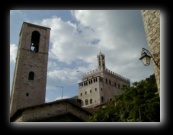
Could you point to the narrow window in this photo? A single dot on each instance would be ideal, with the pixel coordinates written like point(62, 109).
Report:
point(81, 94)
point(35, 38)
point(110, 99)
point(27, 94)
point(90, 101)
point(86, 102)
point(110, 82)
point(85, 92)
point(103, 64)
point(115, 84)
point(106, 81)
point(31, 76)
point(118, 85)
point(101, 89)
point(102, 99)
point(95, 89)
point(90, 91)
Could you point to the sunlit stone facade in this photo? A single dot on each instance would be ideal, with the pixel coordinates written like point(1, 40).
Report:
point(100, 85)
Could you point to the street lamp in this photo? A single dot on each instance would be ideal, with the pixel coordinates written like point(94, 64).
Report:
point(146, 56)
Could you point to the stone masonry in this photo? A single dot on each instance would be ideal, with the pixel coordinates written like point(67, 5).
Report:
point(29, 83)
point(151, 20)
point(57, 109)
point(100, 85)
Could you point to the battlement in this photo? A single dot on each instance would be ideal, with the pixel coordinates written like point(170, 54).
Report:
point(107, 71)
point(116, 75)
point(91, 73)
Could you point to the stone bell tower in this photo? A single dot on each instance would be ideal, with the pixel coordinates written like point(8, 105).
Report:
point(101, 61)
point(30, 74)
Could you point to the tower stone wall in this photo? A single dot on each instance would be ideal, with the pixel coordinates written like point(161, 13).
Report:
point(29, 82)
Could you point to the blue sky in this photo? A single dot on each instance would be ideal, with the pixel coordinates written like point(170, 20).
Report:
point(76, 37)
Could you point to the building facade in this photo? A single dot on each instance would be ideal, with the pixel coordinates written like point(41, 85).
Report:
point(101, 85)
point(151, 20)
point(29, 83)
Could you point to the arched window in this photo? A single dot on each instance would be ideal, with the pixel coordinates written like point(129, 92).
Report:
point(35, 38)
point(31, 76)
point(86, 102)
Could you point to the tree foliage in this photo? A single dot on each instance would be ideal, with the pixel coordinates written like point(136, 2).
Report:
point(138, 103)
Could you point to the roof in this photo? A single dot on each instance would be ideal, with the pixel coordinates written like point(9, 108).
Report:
point(73, 102)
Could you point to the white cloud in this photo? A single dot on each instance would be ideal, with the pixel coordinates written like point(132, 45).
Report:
point(74, 45)
point(119, 38)
point(13, 52)
point(47, 100)
point(65, 74)
point(68, 44)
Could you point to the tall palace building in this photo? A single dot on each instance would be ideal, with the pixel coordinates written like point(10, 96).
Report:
point(100, 85)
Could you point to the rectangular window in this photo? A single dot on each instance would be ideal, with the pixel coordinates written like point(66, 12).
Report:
point(81, 94)
point(90, 101)
point(110, 82)
point(95, 89)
